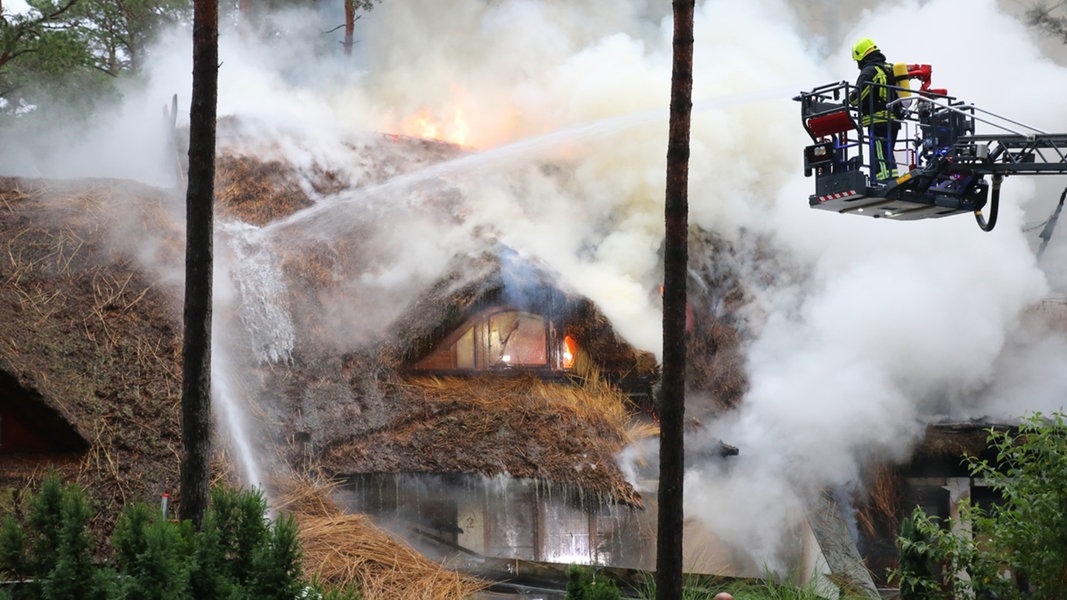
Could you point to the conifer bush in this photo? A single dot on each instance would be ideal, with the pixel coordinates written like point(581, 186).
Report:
point(238, 554)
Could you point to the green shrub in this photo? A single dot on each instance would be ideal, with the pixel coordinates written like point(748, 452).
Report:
point(1018, 547)
point(12, 549)
point(51, 549)
point(276, 569)
point(915, 572)
point(72, 575)
point(237, 525)
point(583, 584)
point(44, 523)
point(151, 557)
point(239, 554)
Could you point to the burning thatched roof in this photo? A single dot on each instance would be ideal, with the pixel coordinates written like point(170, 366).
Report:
point(91, 334)
point(559, 426)
point(502, 278)
point(91, 328)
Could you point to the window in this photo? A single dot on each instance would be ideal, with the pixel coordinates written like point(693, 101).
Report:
point(516, 339)
point(499, 339)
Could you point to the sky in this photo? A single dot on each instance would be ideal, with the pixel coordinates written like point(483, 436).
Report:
point(16, 6)
point(866, 330)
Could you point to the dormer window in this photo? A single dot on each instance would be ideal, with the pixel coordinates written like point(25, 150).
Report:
point(500, 339)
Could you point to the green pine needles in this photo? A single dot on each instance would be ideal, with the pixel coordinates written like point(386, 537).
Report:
point(50, 554)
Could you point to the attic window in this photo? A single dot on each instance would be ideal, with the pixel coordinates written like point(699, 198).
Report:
point(497, 339)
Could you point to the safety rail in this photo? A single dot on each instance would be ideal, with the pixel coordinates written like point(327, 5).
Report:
point(944, 166)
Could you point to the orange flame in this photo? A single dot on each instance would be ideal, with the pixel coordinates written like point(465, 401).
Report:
point(447, 124)
point(422, 124)
point(459, 128)
point(570, 347)
point(425, 124)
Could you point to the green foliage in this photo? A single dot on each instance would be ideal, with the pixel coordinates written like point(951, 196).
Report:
point(51, 546)
point(932, 557)
point(915, 573)
point(66, 55)
point(40, 58)
point(1018, 547)
point(45, 522)
point(238, 554)
point(276, 571)
point(234, 526)
point(152, 556)
point(583, 584)
point(72, 574)
point(12, 548)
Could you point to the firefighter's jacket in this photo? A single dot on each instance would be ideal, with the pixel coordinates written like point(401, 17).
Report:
point(872, 99)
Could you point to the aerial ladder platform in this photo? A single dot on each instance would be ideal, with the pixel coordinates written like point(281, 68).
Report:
point(944, 165)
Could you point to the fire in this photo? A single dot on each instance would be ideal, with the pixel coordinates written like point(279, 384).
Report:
point(569, 348)
point(445, 123)
point(459, 128)
point(426, 124)
point(423, 124)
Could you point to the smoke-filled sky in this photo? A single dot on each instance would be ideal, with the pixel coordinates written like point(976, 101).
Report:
point(870, 327)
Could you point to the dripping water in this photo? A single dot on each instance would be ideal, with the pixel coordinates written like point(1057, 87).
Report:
point(261, 293)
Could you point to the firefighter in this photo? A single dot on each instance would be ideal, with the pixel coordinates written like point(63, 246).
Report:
point(871, 96)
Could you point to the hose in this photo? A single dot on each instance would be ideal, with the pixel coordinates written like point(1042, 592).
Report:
point(994, 206)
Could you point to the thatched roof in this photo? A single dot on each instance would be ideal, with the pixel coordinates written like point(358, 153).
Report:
point(88, 336)
point(500, 277)
point(90, 328)
point(374, 415)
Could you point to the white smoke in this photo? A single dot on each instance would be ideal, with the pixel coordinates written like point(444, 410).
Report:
point(877, 325)
point(899, 323)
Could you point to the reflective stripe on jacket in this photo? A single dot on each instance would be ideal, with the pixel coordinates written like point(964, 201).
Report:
point(872, 99)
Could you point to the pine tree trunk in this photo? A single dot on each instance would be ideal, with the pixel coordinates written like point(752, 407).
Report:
point(199, 207)
point(675, 263)
point(350, 25)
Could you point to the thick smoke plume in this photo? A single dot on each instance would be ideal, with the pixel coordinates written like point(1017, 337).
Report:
point(872, 329)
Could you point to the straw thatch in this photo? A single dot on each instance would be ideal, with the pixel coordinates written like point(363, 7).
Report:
point(715, 360)
point(90, 324)
point(349, 550)
point(520, 426)
point(85, 332)
point(256, 191)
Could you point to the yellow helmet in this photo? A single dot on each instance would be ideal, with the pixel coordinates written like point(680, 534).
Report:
point(862, 48)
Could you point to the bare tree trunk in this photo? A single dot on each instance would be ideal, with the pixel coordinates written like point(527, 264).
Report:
point(675, 264)
point(199, 207)
point(350, 25)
